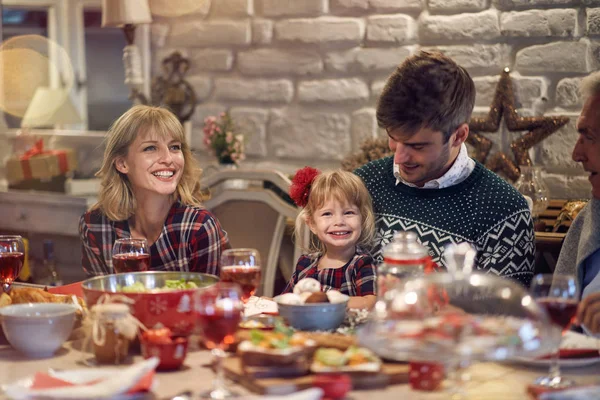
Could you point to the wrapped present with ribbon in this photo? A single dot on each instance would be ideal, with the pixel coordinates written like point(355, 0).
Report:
point(39, 163)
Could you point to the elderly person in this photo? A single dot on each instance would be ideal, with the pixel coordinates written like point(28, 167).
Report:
point(151, 190)
point(431, 186)
point(580, 253)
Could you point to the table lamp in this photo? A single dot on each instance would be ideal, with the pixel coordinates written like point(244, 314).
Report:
point(50, 107)
point(126, 14)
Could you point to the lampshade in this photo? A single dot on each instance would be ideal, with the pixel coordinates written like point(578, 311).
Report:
point(50, 107)
point(116, 13)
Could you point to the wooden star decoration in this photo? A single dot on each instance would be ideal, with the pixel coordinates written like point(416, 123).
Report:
point(539, 128)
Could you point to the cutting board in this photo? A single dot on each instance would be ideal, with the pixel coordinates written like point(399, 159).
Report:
point(390, 373)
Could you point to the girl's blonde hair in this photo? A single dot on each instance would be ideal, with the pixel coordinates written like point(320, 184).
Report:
point(344, 187)
point(116, 199)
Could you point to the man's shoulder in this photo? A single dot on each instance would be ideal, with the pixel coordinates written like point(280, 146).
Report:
point(375, 168)
point(495, 190)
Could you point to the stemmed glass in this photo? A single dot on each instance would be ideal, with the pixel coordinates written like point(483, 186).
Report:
point(130, 255)
point(242, 266)
point(12, 255)
point(218, 312)
point(558, 295)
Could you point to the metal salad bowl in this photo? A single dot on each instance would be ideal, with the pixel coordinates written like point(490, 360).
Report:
point(173, 308)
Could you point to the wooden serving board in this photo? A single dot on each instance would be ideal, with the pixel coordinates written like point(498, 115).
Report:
point(390, 373)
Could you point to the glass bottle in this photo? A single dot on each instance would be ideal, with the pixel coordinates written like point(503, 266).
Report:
point(531, 185)
point(47, 273)
point(113, 330)
point(403, 258)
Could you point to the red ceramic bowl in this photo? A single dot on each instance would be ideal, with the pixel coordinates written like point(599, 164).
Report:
point(172, 309)
point(171, 355)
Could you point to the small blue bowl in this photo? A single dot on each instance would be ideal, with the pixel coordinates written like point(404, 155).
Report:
point(313, 316)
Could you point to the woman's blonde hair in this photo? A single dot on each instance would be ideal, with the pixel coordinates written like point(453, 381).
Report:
point(116, 199)
point(344, 187)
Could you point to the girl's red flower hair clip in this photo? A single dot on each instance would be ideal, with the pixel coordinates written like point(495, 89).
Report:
point(301, 184)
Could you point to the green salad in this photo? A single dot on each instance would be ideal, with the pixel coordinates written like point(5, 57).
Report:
point(170, 284)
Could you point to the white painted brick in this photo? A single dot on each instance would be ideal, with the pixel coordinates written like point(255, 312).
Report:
point(309, 135)
point(397, 5)
point(252, 122)
point(281, 8)
point(593, 21)
point(333, 90)
point(556, 150)
point(163, 9)
point(199, 33)
point(364, 59)
point(320, 30)
point(457, 5)
point(232, 8)
point(479, 26)
point(211, 60)
point(202, 86)
point(344, 5)
point(158, 34)
point(553, 57)
point(557, 22)
point(567, 93)
point(364, 126)
point(276, 61)
point(260, 90)
point(376, 88)
point(512, 4)
point(563, 186)
point(485, 88)
point(202, 111)
point(395, 28)
point(486, 57)
point(262, 31)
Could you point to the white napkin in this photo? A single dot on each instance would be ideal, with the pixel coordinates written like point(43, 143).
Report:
point(258, 305)
point(307, 394)
point(112, 382)
point(574, 340)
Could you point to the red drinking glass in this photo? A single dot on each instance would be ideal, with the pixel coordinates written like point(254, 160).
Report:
point(218, 311)
point(559, 296)
point(242, 266)
point(130, 255)
point(12, 255)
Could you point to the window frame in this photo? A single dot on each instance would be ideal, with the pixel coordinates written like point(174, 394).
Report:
point(66, 27)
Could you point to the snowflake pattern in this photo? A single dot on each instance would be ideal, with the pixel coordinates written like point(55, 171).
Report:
point(157, 306)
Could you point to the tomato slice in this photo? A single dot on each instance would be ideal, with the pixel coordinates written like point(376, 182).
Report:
point(335, 386)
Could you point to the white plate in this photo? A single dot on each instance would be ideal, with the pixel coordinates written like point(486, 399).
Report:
point(565, 363)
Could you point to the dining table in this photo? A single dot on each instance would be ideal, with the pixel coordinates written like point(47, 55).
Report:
point(489, 380)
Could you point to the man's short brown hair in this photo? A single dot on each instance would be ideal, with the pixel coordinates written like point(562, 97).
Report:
point(428, 90)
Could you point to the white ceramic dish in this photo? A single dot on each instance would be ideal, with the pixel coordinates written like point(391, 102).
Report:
point(37, 330)
point(564, 363)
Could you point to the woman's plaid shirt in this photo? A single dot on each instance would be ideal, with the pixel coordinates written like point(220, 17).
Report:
point(191, 240)
point(356, 278)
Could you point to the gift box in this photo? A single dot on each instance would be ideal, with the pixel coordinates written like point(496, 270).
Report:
point(38, 163)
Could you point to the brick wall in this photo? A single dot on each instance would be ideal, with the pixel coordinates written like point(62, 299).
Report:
point(302, 76)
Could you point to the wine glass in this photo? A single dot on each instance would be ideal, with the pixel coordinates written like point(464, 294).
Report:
point(12, 255)
point(218, 312)
point(130, 255)
point(558, 295)
point(242, 266)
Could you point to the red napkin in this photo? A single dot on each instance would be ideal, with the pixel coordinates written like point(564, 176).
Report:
point(566, 354)
point(42, 380)
point(72, 288)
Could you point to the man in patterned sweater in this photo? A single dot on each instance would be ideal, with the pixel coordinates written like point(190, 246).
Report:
point(431, 186)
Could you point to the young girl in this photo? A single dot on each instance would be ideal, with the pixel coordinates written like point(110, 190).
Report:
point(337, 208)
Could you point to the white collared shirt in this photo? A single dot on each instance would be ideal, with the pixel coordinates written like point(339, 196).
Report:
point(458, 172)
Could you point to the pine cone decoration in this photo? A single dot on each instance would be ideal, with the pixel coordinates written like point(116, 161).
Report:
point(370, 149)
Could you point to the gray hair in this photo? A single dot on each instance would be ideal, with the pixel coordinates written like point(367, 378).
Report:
point(590, 86)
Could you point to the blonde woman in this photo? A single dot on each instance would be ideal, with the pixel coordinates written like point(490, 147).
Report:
point(151, 190)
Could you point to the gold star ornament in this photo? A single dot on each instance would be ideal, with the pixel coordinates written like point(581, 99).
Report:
point(503, 105)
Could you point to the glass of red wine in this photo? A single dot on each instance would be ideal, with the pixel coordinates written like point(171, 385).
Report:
point(218, 311)
point(242, 266)
point(130, 255)
point(12, 255)
point(559, 296)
